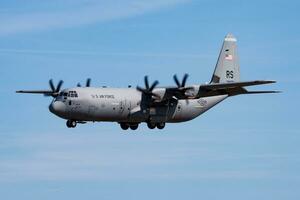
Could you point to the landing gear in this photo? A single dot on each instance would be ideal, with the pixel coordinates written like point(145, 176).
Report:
point(124, 126)
point(161, 125)
point(151, 125)
point(134, 126)
point(71, 124)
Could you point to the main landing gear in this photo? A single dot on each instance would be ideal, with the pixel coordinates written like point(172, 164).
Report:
point(152, 125)
point(134, 126)
point(126, 126)
point(71, 124)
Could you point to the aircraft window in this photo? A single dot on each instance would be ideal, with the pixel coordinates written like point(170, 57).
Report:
point(65, 94)
point(71, 94)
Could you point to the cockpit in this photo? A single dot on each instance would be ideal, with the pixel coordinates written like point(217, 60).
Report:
point(69, 94)
point(64, 95)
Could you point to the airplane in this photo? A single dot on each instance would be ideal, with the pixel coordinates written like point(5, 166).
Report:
point(152, 105)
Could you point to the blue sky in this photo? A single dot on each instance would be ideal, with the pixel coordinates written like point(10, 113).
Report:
point(247, 147)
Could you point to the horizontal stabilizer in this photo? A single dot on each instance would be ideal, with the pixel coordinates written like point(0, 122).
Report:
point(218, 86)
point(261, 92)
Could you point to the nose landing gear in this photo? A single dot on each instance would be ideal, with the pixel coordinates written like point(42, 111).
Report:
point(71, 124)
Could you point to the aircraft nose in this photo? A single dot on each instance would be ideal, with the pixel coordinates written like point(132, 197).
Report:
point(57, 107)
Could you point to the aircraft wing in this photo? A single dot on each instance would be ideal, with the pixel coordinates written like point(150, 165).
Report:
point(53, 92)
point(35, 91)
point(231, 89)
point(44, 92)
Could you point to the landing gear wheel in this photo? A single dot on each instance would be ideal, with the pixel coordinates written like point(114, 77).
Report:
point(71, 124)
point(124, 126)
point(134, 126)
point(151, 125)
point(161, 125)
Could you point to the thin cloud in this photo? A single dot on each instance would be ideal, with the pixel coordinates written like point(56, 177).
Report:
point(78, 15)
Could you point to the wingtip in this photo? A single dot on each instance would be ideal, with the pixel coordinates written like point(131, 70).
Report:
point(266, 81)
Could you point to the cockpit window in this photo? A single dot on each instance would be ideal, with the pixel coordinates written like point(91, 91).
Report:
point(72, 94)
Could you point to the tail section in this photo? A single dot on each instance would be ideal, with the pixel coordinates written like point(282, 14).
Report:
point(227, 68)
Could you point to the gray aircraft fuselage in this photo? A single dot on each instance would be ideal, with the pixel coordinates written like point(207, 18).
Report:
point(124, 105)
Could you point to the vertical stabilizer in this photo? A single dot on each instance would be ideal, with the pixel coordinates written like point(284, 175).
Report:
point(227, 68)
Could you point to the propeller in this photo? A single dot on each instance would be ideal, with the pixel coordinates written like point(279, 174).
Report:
point(181, 85)
point(183, 90)
point(87, 84)
point(148, 90)
point(55, 90)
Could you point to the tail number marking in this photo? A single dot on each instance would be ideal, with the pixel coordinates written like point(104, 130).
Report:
point(229, 74)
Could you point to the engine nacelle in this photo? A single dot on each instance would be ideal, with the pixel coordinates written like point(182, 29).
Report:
point(192, 92)
point(159, 94)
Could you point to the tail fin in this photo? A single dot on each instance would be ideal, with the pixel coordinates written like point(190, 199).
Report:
point(227, 68)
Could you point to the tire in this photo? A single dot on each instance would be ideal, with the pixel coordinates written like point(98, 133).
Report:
point(151, 125)
point(124, 126)
point(134, 126)
point(73, 124)
point(161, 125)
point(69, 124)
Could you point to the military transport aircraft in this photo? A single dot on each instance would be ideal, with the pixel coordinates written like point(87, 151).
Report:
point(153, 105)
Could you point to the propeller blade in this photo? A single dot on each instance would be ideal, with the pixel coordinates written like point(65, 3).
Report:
point(51, 85)
point(140, 89)
point(153, 85)
point(184, 80)
point(146, 82)
point(176, 80)
point(59, 86)
point(88, 82)
point(148, 90)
